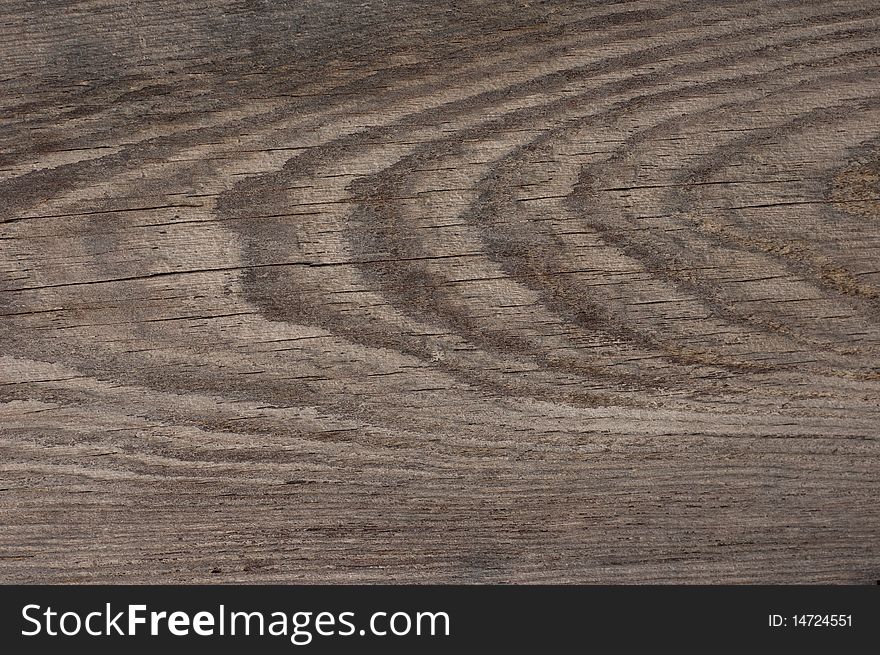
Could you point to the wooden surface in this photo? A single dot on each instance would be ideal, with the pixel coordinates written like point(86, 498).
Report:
point(431, 292)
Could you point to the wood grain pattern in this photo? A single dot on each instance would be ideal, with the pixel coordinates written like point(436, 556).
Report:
point(464, 291)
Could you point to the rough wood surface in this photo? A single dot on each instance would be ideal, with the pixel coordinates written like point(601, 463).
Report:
point(461, 291)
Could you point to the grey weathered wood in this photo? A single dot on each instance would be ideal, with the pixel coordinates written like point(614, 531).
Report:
point(473, 291)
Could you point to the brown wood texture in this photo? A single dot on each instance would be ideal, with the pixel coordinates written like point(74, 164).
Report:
point(439, 292)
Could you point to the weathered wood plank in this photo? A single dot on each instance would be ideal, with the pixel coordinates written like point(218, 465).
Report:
point(475, 291)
